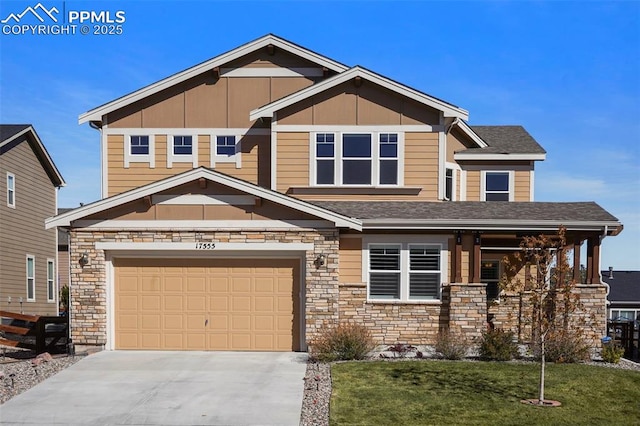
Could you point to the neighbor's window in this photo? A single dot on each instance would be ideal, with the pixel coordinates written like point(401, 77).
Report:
point(31, 278)
point(182, 145)
point(388, 159)
point(325, 158)
point(356, 159)
point(497, 186)
point(424, 272)
point(384, 272)
point(226, 146)
point(448, 184)
point(11, 190)
point(51, 295)
point(490, 275)
point(139, 145)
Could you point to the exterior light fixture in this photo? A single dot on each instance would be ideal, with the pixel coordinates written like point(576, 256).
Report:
point(84, 259)
point(320, 260)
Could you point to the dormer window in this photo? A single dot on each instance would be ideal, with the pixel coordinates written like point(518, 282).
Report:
point(498, 186)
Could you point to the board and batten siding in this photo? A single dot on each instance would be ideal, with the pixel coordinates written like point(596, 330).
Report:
point(22, 230)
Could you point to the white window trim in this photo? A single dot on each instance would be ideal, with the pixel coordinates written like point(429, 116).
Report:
point(457, 177)
point(405, 242)
point(140, 158)
point(11, 190)
point(483, 183)
point(181, 158)
point(33, 258)
point(338, 159)
point(236, 158)
point(51, 297)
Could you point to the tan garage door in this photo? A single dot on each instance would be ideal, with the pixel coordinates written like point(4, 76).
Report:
point(205, 304)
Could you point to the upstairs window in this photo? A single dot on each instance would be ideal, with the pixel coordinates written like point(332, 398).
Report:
point(448, 184)
point(182, 145)
point(31, 278)
point(325, 158)
point(226, 146)
point(497, 186)
point(356, 159)
point(139, 145)
point(388, 159)
point(11, 190)
point(51, 294)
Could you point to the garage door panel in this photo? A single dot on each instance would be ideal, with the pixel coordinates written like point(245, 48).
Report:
point(206, 304)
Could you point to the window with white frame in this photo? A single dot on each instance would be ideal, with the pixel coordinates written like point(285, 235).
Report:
point(225, 146)
point(448, 184)
point(139, 145)
point(325, 158)
point(626, 315)
point(356, 159)
point(51, 294)
point(384, 271)
point(424, 272)
point(182, 145)
point(11, 190)
point(405, 271)
point(497, 186)
point(31, 278)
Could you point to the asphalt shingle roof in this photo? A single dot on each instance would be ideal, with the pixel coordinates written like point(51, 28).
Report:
point(8, 130)
point(470, 210)
point(625, 286)
point(505, 140)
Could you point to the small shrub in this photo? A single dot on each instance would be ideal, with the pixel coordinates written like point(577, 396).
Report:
point(612, 352)
point(450, 345)
point(342, 343)
point(564, 347)
point(498, 345)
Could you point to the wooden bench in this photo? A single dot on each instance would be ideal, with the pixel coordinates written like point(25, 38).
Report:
point(35, 325)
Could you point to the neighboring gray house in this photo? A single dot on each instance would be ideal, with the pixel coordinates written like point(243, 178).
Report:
point(624, 295)
point(29, 181)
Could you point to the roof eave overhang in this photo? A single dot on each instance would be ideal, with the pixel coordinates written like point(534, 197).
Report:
point(610, 228)
point(462, 156)
point(67, 219)
point(41, 151)
point(268, 110)
point(96, 114)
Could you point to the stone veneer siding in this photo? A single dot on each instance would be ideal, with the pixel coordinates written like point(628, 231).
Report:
point(89, 283)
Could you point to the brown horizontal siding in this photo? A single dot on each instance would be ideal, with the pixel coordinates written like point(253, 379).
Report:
point(22, 230)
point(350, 260)
point(473, 185)
point(292, 160)
point(522, 180)
point(421, 163)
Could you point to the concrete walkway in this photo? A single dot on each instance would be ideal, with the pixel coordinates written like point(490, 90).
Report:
point(167, 388)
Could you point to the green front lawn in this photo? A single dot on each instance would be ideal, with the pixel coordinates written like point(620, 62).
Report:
point(480, 393)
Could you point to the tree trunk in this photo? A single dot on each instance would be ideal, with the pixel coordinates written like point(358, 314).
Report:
point(542, 365)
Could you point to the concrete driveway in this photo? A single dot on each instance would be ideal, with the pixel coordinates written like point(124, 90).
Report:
point(167, 388)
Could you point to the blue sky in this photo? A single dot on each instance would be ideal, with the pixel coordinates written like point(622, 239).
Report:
point(569, 72)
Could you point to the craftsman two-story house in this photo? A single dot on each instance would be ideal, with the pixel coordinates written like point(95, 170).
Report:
point(255, 198)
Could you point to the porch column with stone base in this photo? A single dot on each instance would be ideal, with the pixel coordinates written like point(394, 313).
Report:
point(467, 307)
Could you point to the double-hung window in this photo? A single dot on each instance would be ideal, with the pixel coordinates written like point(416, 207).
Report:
point(11, 190)
point(388, 159)
point(424, 272)
point(497, 186)
point(384, 271)
point(356, 159)
point(139, 145)
point(405, 271)
point(51, 295)
point(182, 145)
point(31, 278)
point(326, 158)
